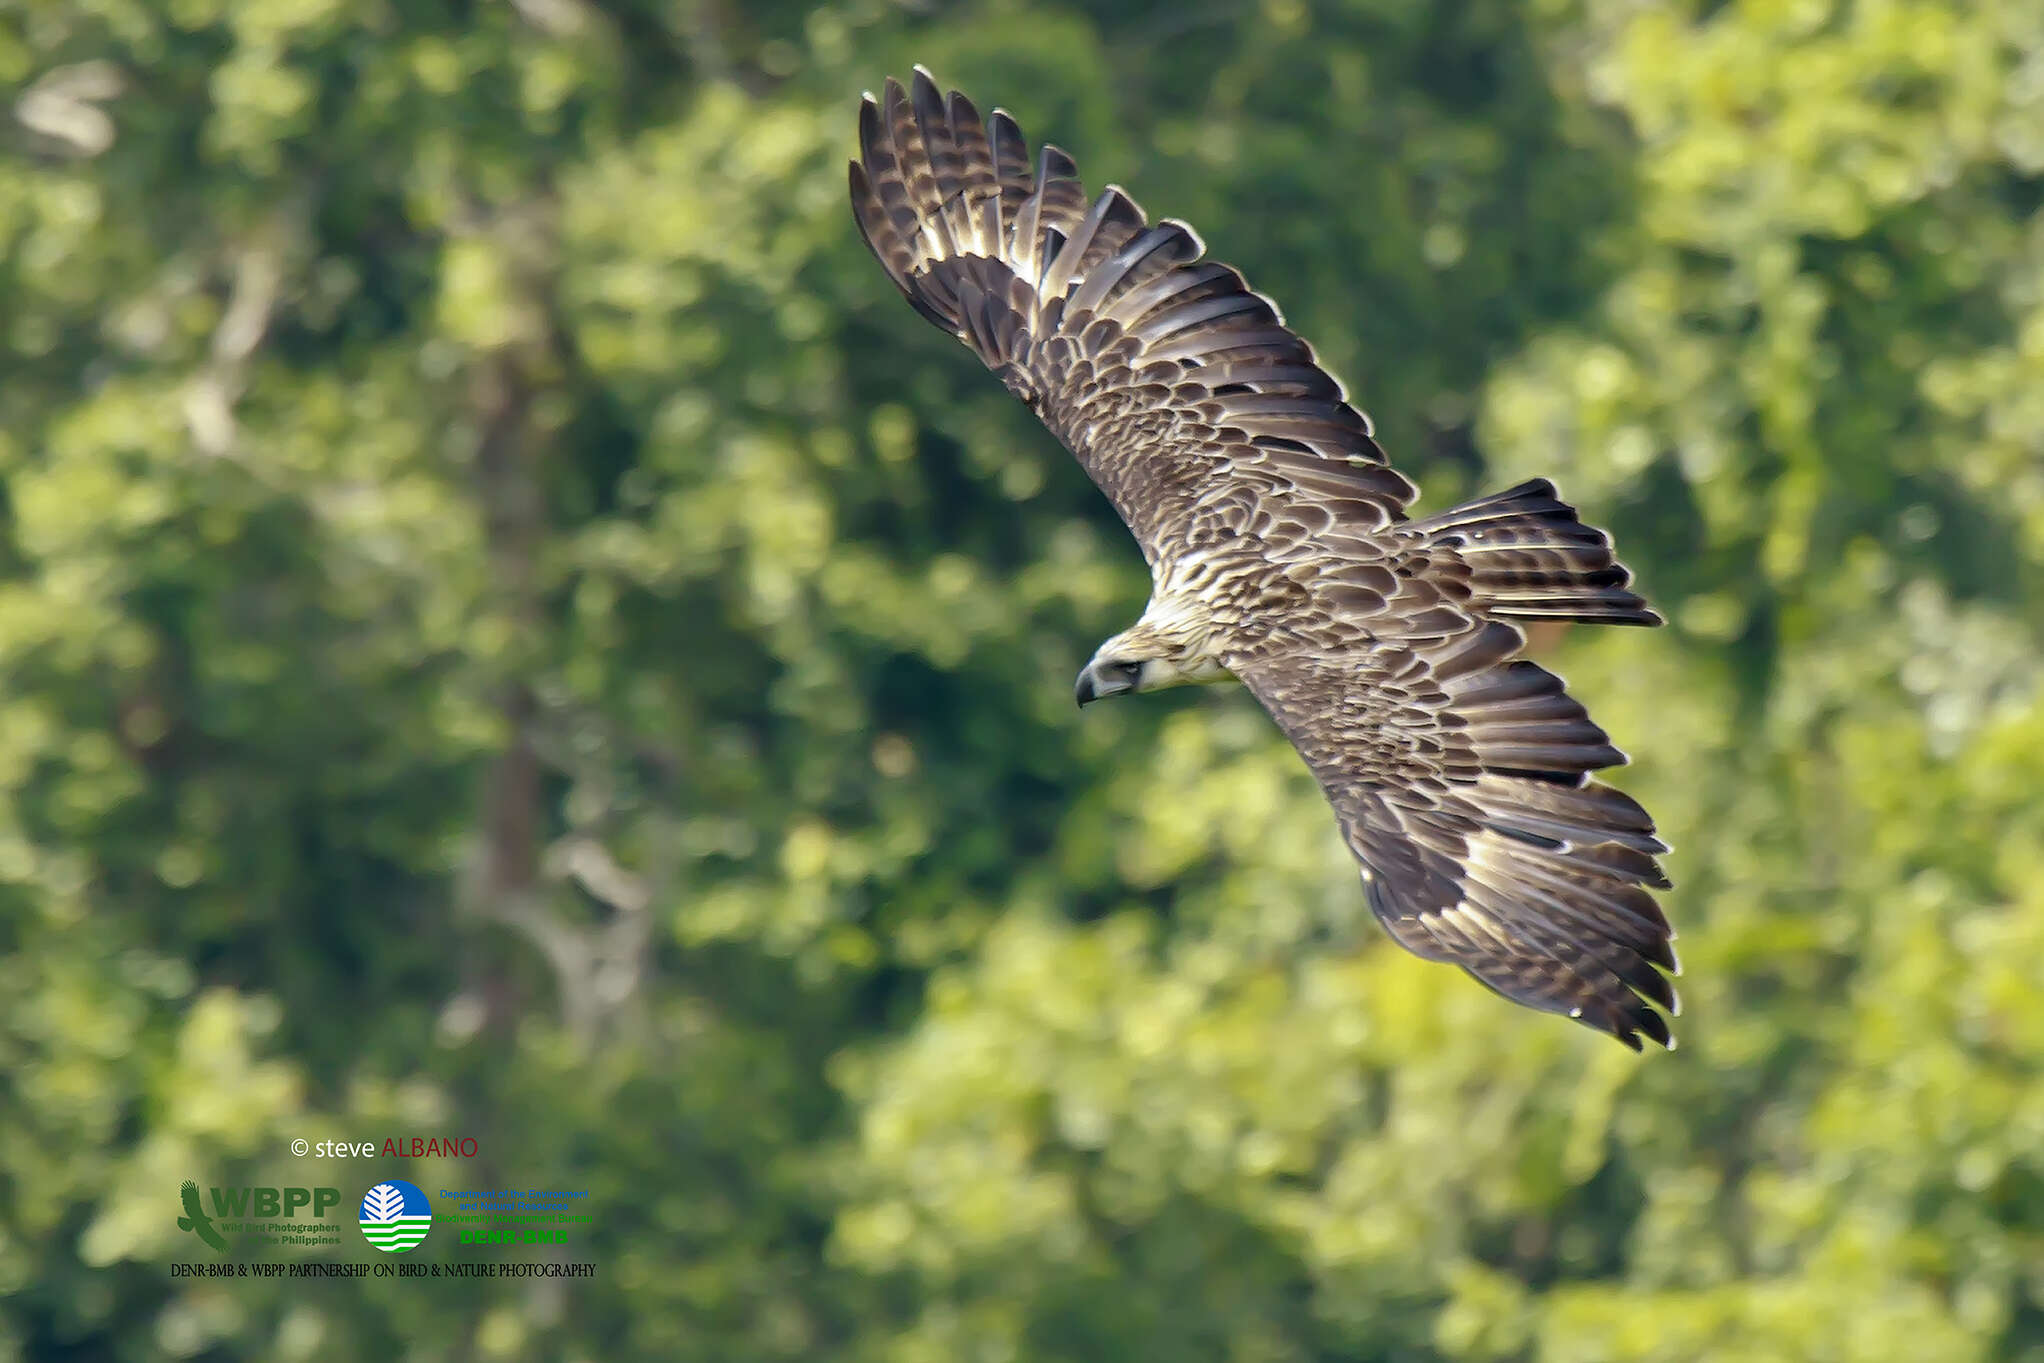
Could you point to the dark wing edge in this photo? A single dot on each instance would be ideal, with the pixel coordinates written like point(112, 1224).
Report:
point(1139, 355)
point(1462, 784)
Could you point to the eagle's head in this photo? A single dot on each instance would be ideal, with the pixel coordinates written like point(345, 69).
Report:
point(1147, 657)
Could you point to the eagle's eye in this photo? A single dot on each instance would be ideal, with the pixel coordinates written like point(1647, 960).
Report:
point(1130, 670)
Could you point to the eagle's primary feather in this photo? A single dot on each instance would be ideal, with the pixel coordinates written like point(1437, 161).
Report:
point(1281, 554)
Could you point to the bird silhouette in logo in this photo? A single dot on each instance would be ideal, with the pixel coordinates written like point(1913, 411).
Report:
point(196, 1220)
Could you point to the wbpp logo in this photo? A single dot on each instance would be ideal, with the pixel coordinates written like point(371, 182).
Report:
point(395, 1216)
point(246, 1211)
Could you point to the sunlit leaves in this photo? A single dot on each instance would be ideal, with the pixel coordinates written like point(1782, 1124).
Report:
point(967, 1026)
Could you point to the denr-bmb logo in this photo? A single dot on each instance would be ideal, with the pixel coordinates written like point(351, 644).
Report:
point(395, 1216)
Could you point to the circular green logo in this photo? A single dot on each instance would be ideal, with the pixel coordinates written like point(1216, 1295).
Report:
point(395, 1216)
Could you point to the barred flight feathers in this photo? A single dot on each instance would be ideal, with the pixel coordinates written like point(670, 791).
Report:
point(1157, 371)
point(1281, 555)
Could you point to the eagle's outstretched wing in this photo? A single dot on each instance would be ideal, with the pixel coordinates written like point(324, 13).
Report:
point(1460, 776)
point(1461, 780)
point(1174, 383)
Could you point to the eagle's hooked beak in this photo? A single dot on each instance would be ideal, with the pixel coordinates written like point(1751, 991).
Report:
point(1101, 680)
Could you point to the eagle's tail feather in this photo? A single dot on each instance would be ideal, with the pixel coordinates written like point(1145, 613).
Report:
point(1530, 558)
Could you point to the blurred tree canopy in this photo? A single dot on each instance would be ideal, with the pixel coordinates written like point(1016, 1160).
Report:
point(509, 626)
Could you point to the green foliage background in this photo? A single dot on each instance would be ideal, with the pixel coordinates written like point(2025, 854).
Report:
point(509, 627)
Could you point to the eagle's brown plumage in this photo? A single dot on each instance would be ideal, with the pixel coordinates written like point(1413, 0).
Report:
point(1281, 553)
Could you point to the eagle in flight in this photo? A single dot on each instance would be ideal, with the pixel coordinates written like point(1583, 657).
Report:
point(1281, 555)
